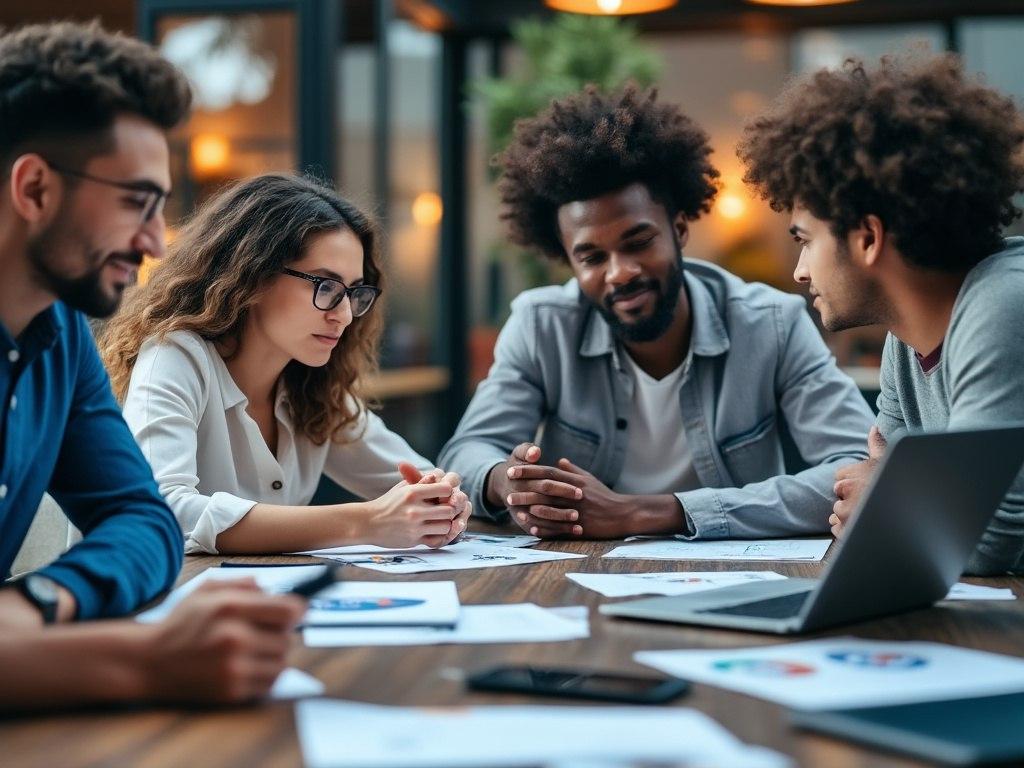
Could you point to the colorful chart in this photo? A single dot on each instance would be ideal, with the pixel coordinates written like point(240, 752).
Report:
point(881, 660)
point(363, 603)
point(764, 667)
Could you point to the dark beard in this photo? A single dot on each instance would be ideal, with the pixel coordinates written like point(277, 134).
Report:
point(83, 293)
point(649, 328)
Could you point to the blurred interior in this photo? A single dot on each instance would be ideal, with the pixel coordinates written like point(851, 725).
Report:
point(377, 96)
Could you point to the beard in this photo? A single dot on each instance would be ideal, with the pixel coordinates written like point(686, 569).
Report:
point(856, 301)
point(651, 327)
point(84, 292)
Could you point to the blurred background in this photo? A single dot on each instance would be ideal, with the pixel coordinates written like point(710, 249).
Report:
point(401, 103)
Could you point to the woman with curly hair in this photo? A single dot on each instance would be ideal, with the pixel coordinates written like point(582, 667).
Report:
point(900, 179)
point(645, 396)
point(240, 363)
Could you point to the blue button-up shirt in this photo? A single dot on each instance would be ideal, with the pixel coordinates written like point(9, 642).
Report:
point(758, 360)
point(61, 431)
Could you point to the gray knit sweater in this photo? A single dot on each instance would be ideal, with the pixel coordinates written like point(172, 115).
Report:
point(979, 381)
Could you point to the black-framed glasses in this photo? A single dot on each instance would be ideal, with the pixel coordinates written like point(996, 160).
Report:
point(151, 197)
point(328, 293)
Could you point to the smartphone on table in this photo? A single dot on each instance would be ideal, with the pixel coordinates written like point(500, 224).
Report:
point(579, 684)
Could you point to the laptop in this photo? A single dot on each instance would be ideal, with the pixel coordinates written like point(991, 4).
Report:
point(906, 544)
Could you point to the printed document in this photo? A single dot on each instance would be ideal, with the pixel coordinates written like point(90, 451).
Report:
point(671, 583)
point(807, 550)
point(337, 734)
point(847, 673)
point(516, 623)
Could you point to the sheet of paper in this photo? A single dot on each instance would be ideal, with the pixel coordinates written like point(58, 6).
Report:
point(346, 603)
point(455, 557)
point(500, 539)
point(809, 550)
point(270, 579)
point(516, 623)
point(841, 673)
point(964, 591)
point(293, 683)
point(469, 537)
point(385, 604)
point(338, 734)
point(673, 583)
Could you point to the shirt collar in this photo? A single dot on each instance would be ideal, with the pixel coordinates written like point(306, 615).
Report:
point(230, 394)
point(708, 336)
point(40, 334)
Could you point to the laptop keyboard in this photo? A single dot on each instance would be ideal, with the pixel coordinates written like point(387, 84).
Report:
point(784, 607)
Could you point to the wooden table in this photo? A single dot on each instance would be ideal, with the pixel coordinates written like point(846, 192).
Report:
point(419, 675)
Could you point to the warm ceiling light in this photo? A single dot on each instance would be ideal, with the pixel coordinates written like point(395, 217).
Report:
point(427, 209)
point(210, 153)
point(610, 7)
point(731, 206)
point(800, 3)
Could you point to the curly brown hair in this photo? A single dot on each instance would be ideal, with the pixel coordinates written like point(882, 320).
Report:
point(936, 155)
point(215, 271)
point(592, 143)
point(63, 84)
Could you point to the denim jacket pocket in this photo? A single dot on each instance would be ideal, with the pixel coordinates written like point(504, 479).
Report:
point(754, 454)
point(562, 439)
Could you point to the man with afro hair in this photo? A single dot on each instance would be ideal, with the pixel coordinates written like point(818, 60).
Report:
point(899, 180)
point(645, 395)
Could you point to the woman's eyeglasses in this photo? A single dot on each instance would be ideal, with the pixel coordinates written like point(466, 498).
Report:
point(328, 293)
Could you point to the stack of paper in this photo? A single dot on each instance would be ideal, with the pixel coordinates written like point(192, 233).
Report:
point(808, 550)
point(846, 673)
point(517, 623)
point(335, 734)
point(455, 557)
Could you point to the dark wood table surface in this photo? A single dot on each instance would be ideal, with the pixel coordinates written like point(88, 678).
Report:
point(265, 735)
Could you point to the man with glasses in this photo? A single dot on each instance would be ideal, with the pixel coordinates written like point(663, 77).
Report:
point(85, 175)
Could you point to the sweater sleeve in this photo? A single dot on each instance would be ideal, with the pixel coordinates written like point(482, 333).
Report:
point(131, 549)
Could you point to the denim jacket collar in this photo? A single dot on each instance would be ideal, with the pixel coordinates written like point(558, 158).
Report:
point(708, 336)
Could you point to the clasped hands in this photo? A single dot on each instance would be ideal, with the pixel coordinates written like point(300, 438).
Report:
point(555, 501)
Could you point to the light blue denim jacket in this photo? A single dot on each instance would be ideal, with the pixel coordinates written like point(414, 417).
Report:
point(756, 358)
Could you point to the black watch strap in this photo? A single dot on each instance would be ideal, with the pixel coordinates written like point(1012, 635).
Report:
point(42, 593)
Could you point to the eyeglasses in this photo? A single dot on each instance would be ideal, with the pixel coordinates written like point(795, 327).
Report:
point(151, 200)
point(328, 293)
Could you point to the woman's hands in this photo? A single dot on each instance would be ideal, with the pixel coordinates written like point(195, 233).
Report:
point(427, 509)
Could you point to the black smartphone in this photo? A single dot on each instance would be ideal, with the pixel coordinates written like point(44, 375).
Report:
point(579, 684)
point(315, 584)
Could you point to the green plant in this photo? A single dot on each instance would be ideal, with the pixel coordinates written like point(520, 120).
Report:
point(561, 57)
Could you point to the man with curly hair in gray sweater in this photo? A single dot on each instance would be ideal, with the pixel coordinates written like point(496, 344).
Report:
point(899, 179)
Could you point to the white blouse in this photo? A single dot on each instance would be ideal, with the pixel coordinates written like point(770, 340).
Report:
point(209, 457)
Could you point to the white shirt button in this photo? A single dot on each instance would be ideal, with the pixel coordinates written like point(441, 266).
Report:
point(3, 491)
point(14, 402)
point(14, 355)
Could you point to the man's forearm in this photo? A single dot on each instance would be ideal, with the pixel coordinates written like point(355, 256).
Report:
point(94, 663)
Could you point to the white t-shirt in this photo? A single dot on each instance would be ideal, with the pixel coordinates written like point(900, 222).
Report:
point(209, 458)
point(658, 458)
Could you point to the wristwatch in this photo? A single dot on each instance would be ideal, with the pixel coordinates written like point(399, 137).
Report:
point(42, 593)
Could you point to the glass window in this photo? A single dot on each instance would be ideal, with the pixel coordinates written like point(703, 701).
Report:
point(243, 70)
